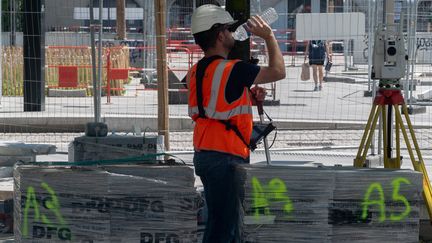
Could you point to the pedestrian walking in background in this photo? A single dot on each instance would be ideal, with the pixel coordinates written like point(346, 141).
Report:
point(220, 103)
point(317, 51)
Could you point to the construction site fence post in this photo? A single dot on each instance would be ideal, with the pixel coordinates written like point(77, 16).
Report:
point(108, 84)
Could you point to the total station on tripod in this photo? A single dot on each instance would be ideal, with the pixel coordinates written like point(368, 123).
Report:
point(389, 56)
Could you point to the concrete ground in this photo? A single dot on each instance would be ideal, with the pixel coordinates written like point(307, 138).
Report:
point(341, 104)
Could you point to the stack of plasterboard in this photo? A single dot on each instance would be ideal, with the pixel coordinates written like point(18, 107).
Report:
point(170, 197)
point(114, 204)
point(287, 204)
point(376, 205)
point(330, 204)
point(113, 147)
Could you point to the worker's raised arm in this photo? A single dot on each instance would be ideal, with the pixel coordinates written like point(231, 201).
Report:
point(276, 68)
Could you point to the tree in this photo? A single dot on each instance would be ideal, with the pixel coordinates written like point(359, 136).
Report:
point(9, 8)
point(121, 20)
point(12, 17)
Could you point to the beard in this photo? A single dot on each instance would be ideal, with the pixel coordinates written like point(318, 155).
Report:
point(229, 42)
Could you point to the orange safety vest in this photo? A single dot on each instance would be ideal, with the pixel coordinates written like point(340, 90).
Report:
point(210, 133)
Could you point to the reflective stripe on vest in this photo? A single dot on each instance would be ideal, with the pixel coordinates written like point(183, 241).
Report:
point(211, 108)
point(246, 109)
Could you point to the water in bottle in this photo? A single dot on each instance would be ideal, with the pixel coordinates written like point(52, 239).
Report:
point(269, 16)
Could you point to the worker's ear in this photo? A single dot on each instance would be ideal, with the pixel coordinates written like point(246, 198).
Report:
point(221, 36)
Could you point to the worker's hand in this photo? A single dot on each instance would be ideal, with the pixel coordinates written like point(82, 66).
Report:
point(258, 94)
point(257, 26)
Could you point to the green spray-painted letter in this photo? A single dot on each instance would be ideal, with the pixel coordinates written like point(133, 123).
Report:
point(380, 202)
point(31, 202)
point(397, 197)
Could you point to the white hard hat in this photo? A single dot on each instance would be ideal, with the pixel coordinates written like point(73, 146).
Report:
point(205, 16)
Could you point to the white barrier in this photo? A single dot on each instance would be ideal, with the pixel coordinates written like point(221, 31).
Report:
point(424, 47)
point(330, 26)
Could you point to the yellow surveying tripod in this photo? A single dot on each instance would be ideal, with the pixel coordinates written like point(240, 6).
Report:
point(392, 99)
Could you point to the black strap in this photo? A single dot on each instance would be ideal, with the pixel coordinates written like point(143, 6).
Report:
point(268, 117)
point(200, 71)
point(229, 126)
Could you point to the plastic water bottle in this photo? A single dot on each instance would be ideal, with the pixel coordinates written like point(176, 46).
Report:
point(269, 16)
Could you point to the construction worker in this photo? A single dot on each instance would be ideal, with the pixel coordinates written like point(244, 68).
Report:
point(220, 104)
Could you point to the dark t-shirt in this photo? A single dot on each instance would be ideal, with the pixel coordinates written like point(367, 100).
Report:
point(242, 75)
